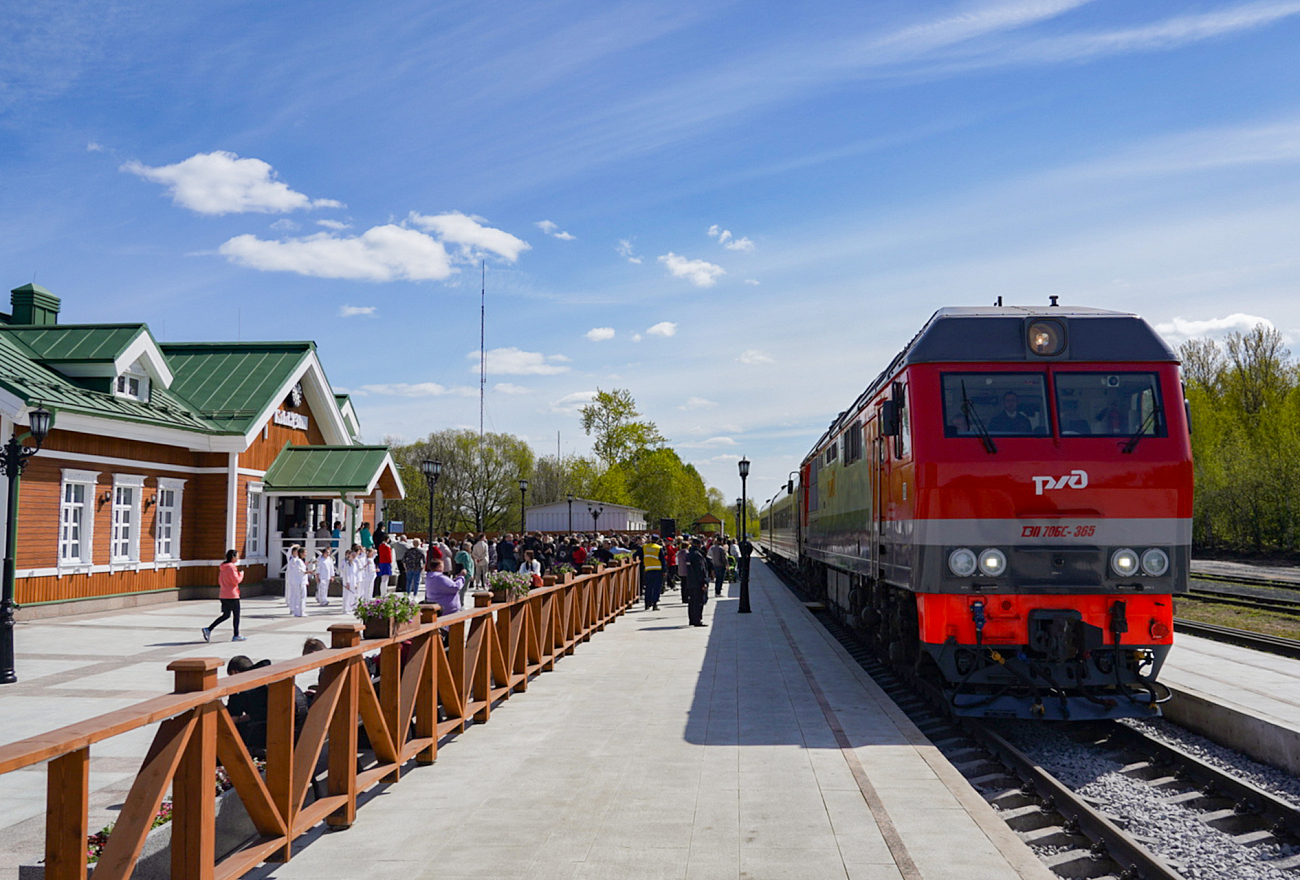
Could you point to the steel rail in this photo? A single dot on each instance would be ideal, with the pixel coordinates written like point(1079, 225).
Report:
point(1261, 603)
point(1240, 637)
point(1105, 834)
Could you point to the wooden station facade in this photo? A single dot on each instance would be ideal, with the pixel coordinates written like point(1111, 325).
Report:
point(162, 457)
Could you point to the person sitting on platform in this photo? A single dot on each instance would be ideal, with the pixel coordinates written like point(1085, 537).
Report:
point(248, 709)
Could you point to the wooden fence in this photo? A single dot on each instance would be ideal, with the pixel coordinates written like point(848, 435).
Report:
point(491, 651)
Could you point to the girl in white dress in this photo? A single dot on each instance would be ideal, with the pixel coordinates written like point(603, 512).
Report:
point(367, 585)
point(324, 574)
point(295, 581)
point(351, 574)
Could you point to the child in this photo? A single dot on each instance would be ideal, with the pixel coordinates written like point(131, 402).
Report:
point(351, 579)
point(324, 575)
point(368, 575)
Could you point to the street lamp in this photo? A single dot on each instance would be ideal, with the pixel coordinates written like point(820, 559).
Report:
point(431, 469)
point(12, 461)
point(745, 548)
point(595, 516)
point(570, 500)
point(523, 502)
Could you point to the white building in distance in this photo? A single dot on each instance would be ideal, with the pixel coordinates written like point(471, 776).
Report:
point(554, 517)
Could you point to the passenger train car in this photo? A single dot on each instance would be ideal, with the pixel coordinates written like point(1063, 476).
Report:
point(1006, 510)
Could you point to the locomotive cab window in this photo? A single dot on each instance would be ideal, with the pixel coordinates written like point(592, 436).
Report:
point(999, 404)
point(1109, 404)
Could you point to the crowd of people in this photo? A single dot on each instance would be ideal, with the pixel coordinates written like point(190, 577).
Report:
point(444, 570)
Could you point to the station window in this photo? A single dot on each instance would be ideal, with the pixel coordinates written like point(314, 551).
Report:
point(125, 543)
point(133, 383)
point(76, 517)
point(168, 523)
point(253, 522)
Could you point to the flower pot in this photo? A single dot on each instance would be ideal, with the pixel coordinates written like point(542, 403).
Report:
point(388, 627)
point(548, 580)
point(501, 596)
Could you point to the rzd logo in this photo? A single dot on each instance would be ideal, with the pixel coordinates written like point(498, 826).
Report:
point(1072, 480)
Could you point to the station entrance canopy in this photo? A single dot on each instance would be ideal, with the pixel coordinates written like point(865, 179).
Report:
point(334, 470)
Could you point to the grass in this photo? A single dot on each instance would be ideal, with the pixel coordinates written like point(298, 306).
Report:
point(1266, 622)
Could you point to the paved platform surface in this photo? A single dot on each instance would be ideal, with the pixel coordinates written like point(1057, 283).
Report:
point(1252, 682)
point(754, 748)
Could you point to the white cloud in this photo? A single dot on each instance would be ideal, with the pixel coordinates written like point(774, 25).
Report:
point(698, 272)
point(421, 389)
point(550, 229)
point(636, 337)
point(353, 311)
point(510, 388)
point(284, 224)
point(1181, 328)
point(753, 281)
point(514, 361)
point(473, 237)
point(730, 242)
point(697, 403)
point(382, 253)
point(625, 250)
point(711, 443)
point(222, 183)
point(663, 328)
point(571, 403)
point(333, 224)
point(600, 334)
point(754, 356)
point(93, 147)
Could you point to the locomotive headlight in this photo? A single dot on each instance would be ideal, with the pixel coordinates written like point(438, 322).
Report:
point(962, 562)
point(1124, 562)
point(1046, 338)
point(1155, 562)
point(993, 562)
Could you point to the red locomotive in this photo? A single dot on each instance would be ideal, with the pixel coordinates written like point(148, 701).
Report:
point(1007, 510)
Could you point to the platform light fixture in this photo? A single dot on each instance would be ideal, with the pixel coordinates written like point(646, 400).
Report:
point(13, 460)
point(432, 470)
point(743, 465)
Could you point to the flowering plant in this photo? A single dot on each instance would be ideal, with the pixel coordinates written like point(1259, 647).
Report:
point(563, 568)
point(511, 583)
point(394, 606)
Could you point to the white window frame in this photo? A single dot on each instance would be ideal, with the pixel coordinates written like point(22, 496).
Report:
point(134, 373)
point(136, 483)
point(88, 479)
point(255, 504)
point(177, 487)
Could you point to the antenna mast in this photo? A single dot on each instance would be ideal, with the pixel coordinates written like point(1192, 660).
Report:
point(482, 351)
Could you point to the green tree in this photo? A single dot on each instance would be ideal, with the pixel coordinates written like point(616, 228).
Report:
point(619, 431)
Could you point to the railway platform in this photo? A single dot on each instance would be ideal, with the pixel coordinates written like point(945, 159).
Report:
point(754, 748)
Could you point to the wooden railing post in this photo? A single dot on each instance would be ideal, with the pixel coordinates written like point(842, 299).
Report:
point(481, 676)
point(66, 823)
point(280, 718)
point(343, 726)
point(426, 697)
point(390, 701)
point(193, 844)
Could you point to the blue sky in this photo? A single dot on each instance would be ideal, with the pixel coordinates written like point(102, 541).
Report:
point(739, 211)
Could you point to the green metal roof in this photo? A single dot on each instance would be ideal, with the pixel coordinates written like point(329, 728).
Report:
point(325, 468)
point(231, 383)
point(36, 383)
point(75, 342)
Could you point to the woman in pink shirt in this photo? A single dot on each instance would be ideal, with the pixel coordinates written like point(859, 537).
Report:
point(229, 577)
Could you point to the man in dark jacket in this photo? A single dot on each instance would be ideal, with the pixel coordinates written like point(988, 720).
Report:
point(696, 585)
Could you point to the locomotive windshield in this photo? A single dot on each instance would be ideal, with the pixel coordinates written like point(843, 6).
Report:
point(1004, 404)
point(1109, 404)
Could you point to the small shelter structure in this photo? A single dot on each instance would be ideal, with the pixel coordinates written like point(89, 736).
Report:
point(709, 524)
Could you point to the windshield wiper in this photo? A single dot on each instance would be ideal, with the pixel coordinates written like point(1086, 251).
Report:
point(1141, 431)
point(973, 417)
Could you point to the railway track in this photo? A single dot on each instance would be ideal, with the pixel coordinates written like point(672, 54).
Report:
point(1068, 831)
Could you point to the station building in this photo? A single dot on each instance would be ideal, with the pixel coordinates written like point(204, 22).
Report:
point(554, 517)
point(162, 456)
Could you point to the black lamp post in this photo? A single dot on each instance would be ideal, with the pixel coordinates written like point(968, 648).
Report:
point(432, 470)
point(745, 548)
point(595, 516)
point(570, 500)
point(523, 508)
point(739, 507)
point(13, 461)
